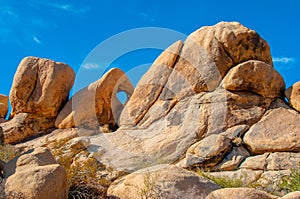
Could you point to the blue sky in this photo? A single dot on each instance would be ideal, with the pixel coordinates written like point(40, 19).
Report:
point(68, 31)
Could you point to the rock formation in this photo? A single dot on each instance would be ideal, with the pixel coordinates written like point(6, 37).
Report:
point(50, 179)
point(99, 100)
point(213, 102)
point(39, 89)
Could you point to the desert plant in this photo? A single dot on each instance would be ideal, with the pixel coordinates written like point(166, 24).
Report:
point(291, 183)
point(8, 152)
point(150, 189)
point(222, 181)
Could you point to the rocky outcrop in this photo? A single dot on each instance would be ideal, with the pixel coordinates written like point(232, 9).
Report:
point(99, 102)
point(162, 181)
point(150, 86)
point(233, 193)
point(292, 195)
point(278, 130)
point(3, 106)
point(293, 95)
point(50, 179)
point(39, 89)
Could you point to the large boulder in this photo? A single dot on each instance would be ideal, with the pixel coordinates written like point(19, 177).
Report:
point(235, 193)
point(278, 130)
point(40, 88)
point(293, 95)
point(3, 106)
point(255, 76)
point(36, 175)
point(99, 102)
point(162, 181)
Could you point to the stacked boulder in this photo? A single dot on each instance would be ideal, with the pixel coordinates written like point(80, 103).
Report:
point(39, 90)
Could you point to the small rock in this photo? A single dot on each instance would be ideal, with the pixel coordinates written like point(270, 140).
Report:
point(3, 106)
point(293, 95)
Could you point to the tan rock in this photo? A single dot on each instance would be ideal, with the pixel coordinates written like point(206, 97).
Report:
point(150, 86)
point(255, 76)
point(99, 102)
point(282, 161)
point(233, 159)
point(162, 181)
point(40, 87)
point(38, 157)
point(234, 193)
point(35, 174)
point(278, 130)
point(207, 55)
point(292, 195)
point(3, 106)
point(243, 176)
point(38, 182)
point(258, 162)
point(293, 95)
point(209, 151)
point(25, 125)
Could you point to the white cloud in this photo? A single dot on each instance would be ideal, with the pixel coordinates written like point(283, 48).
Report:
point(90, 66)
point(36, 40)
point(63, 7)
point(284, 60)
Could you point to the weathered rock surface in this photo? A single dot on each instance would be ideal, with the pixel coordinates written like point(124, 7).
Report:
point(255, 76)
point(293, 95)
point(272, 161)
point(99, 102)
point(292, 195)
point(209, 151)
point(150, 86)
point(39, 89)
point(162, 181)
point(40, 86)
point(234, 193)
point(3, 106)
point(278, 130)
point(36, 175)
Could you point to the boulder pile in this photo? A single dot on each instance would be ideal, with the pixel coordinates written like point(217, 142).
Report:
point(212, 103)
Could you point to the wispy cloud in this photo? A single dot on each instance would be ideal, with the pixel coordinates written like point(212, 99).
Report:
point(90, 66)
point(36, 40)
point(63, 7)
point(147, 16)
point(284, 60)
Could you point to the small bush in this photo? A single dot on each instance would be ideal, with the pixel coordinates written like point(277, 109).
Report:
point(8, 152)
point(150, 189)
point(223, 182)
point(291, 182)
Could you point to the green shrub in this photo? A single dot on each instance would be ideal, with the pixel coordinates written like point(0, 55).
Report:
point(291, 182)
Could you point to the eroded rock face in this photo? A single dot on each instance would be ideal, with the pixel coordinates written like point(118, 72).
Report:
point(3, 106)
point(293, 95)
point(278, 130)
point(96, 104)
point(50, 179)
point(231, 193)
point(257, 77)
point(165, 181)
point(150, 86)
point(39, 89)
